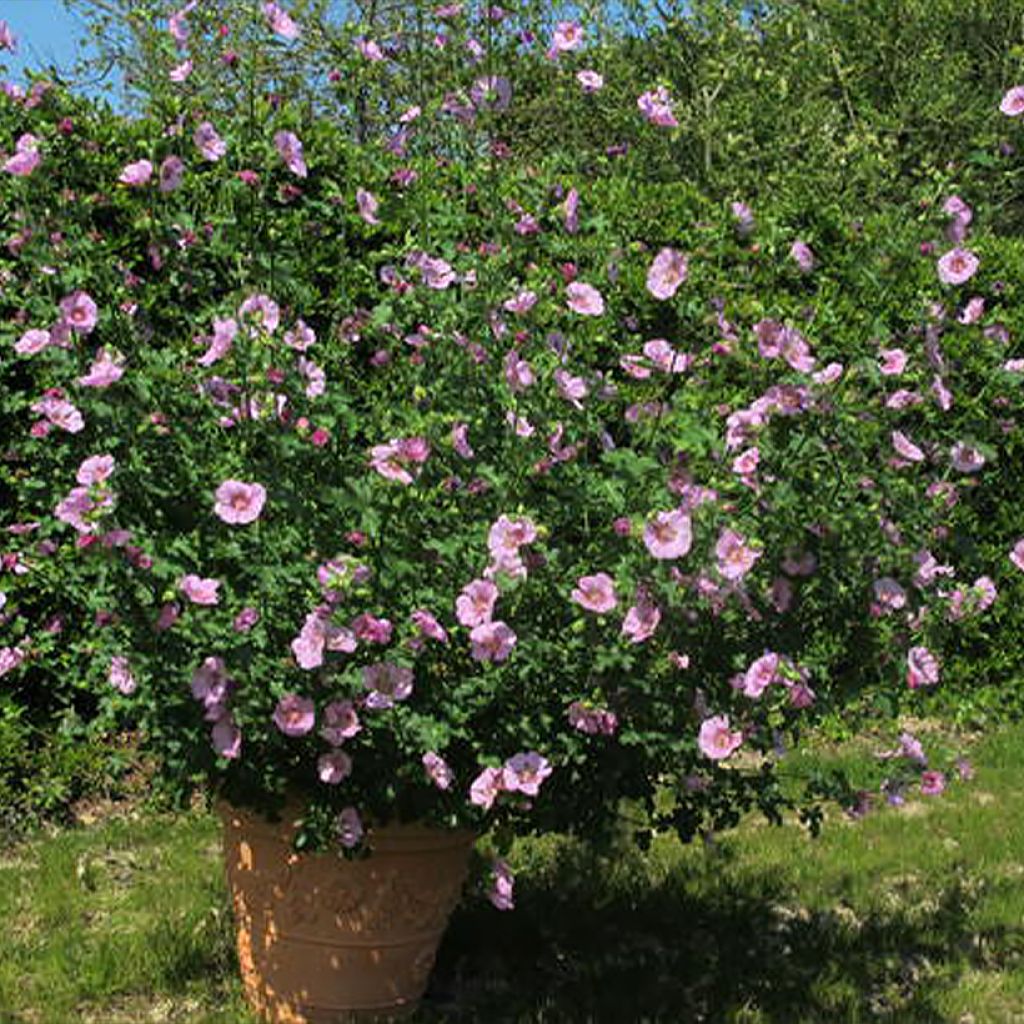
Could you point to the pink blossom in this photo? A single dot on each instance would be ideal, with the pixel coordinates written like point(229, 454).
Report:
point(1017, 554)
point(572, 389)
point(371, 629)
point(484, 789)
point(656, 105)
point(79, 312)
point(744, 218)
point(502, 884)
point(178, 74)
point(957, 266)
point(460, 440)
point(492, 92)
point(316, 379)
point(367, 205)
point(437, 770)
point(31, 342)
point(893, 362)
point(932, 783)
point(922, 668)
point(60, 413)
point(716, 740)
point(584, 299)
point(522, 303)
point(26, 157)
point(388, 683)
point(171, 172)
point(802, 255)
point(571, 208)
point(595, 593)
point(966, 458)
point(105, 370)
point(224, 333)
point(735, 557)
point(1012, 104)
point(761, 673)
point(289, 148)
point(370, 50)
point(349, 828)
point(95, 470)
point(590, 81)
point(905, 447)
point(210, 145)
point(334, 767)
point(120, 675)
point(177, 25)
point(504, 539)
point(568, 35)
point(668, 534)
point(340, 722)
point(245, 620)
point(746, 463)
point(301, 337)
point(199, 590)
point(666, 273)
point(295, 715)
point(437, 273)
point(261, 311)
point(518, 372)
point(211, 686)
point(889, 595)
point(137, 173)
point(492, 641)
point(280, 22)
point(7, 38)
point(10, 659)
point(428, 626)
point(524, 773)
point(239, 503)
point(591, 720)
point(973, 311)
point(388, 461)
point(74, 507)
point(641, 620)
point(226, 737)
point(903, 399)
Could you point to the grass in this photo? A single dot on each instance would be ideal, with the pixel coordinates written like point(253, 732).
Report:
point(910, 916)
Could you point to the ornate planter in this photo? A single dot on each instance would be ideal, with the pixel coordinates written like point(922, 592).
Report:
point(324, 940)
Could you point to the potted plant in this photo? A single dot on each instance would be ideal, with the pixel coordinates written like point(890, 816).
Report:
point(433, 500)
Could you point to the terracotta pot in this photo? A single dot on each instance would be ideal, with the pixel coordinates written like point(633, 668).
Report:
point(324, 940)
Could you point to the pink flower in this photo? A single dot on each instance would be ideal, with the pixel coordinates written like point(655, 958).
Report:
point(74, 507)
point(715, 739)
point(226, 737)
point(502, 885)
point(905, 447)
point(31, 342)
point(239, 503)
point(893, 362)
point(641, 620)
point(522, 303)
point(224, 333)
point(666, 273)
point(199, 590)
point(437, 770)
point(137, 173)
point(10, 659)
point(1017, 554)
point(957, 266)
point(735, 557)
point(26, 157)
point(289, 148)
point(349, 828)
point(209, 143)
point(966, 458)
point(105, 370)
point(295, 715)
point(460, 440)
point(120, 675)
point(367, 205)
point(590, 81)
point(591, 720)
point(245, 620)
point(518, 372)
point(668, 534)
point(492, 641)
point(369, 49)
point(340, 722)
point(572, 389)
point(7, 38)
point(595, 593)
point(492, 92)
point(179, 73)
point(973, 311)
point(889, 595)
point(95, 469)
point(387, 460)
point(388, 683)
point(568, 35)
point(372, 630)
point(60, 413)
point(301, 337)
point(171, 172)
point(486, 786)
point(261, 311)
point(279, 21)
point(79, 312)
point(524, 773)
point(922, 668)
point(656, 106)
point(1012, 104)
point(334, 767)
point(760, 675)
point(437, 273)
point(803, 256)
point(316, 379)
point(584, 299)
point(428, 626)
point(932, 783)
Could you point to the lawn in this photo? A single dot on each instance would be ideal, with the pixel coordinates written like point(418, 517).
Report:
point(912, 915)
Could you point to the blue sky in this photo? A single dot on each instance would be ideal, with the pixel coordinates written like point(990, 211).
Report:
point(46, 32)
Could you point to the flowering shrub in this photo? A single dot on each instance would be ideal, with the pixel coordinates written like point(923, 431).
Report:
point(476, 494)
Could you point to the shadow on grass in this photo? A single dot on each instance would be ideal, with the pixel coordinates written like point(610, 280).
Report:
point(594, 941)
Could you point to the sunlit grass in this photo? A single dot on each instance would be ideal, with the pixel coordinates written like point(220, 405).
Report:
point(908, 916)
